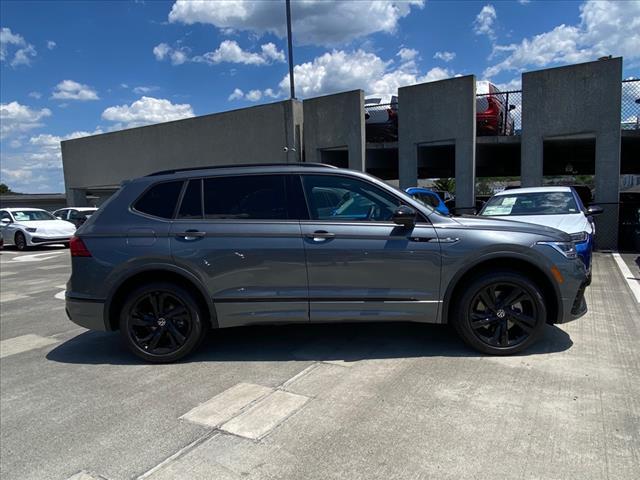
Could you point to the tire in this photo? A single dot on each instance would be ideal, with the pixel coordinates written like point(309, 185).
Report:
point(20, 241)
point(162, 322)
point(513, 301)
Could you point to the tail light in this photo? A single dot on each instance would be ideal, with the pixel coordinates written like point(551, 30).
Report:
point(78, 248)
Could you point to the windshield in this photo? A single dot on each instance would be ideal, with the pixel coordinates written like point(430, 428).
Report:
point(539, 203)
point(32, 215)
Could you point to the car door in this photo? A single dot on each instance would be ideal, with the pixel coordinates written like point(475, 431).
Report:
point(361, 265)
point(5, 227)
point(240, 236)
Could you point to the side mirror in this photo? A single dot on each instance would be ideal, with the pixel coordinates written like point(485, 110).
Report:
point(405, 216)
point(5, 221)
point(595, 210)
point(512, 107)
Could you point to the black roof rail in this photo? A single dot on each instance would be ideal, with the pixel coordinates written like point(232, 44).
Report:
point(240, 165)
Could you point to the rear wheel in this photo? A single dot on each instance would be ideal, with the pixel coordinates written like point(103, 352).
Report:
point(500, 313)
point(162, 322)
point(20, 241)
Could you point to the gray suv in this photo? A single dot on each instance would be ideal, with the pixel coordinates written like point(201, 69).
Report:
point(176, 253)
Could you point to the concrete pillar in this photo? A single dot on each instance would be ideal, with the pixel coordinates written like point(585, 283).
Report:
point(77, 197)
point(438, 112)
point(577, 100)
point(334, 122)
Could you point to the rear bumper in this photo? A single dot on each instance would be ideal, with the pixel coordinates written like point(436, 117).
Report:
point(86, 313)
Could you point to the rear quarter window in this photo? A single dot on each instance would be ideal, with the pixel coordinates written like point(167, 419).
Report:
point(160, 200)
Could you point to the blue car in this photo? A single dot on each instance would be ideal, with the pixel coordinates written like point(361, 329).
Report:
point(429, 198)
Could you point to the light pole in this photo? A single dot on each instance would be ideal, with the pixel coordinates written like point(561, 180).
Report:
point(290, 45)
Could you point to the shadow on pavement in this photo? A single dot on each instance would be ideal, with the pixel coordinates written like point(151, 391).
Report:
point(347, 342)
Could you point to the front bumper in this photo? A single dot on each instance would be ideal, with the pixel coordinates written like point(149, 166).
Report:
point(39, 240)
point(86, 313)
point(572, 289)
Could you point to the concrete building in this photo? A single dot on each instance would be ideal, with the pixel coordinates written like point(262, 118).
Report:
point(570, 124)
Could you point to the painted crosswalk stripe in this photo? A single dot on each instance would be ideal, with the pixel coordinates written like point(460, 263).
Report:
point(227, 404)
point(263, 416)
point(24, 343)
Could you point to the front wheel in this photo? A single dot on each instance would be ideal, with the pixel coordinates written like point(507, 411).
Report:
point(500, 313)
point(162, 322)
point(20, 241)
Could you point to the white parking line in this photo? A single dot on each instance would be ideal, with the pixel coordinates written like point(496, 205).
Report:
point(262, 417)
point(226, 405)
point(60, 295)
point(633, 283)
point(84, 475)
point(24, 343)
point(37, 257)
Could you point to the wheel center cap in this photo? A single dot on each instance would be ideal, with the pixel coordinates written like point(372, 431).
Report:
point(161, 322)
point(501, 313)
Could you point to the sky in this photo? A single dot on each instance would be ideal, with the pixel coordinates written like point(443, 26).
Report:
point(77, 68)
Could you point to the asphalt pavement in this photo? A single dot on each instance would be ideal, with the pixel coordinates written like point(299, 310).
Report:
point(366, 401)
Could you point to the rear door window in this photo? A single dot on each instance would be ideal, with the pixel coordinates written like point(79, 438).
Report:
point(246, 197)
point(160, 200)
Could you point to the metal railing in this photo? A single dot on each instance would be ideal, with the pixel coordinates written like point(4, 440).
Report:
point(381, 122)
point(507, 120)
point(630, 114)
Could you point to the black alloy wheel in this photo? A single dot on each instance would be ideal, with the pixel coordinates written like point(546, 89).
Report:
point(161, 323)
point(500, 313)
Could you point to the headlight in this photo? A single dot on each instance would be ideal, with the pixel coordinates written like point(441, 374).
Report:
point(31, 229)
point(567, 249)
point(579, 237)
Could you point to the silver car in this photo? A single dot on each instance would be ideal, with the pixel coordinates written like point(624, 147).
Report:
point(177, 253)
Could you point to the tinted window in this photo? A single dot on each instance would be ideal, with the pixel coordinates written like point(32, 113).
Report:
point(246, 197)
point(160, 200)
point(427, 199)
point(5, 215)
point(333, 197)
point(191, 206)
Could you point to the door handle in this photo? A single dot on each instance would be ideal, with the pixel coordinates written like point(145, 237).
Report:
point(320, 235)
point(191, 234)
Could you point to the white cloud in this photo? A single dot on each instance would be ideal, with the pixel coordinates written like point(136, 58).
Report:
point(229, 51)
point(340, 70)
point(17, 118)
point(237, 94)
point(315, 22)
point(524, 2)
point(71, 90)
point(9, 41)
point(444, 56)
point(407, 54)
point(254, 95)
point(145, 111)
point(177, 55)
point(144, 89)
point(483, 24)
point(51, 44)
point(36, 95)
point(605, 28)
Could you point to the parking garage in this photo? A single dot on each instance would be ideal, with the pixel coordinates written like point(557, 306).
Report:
point(576, 124)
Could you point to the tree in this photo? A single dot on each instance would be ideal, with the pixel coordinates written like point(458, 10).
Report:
point(445, 184)
point(4, 189)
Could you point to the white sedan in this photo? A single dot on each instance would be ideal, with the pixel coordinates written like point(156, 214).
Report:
point(557, 207)
point(29, 227)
